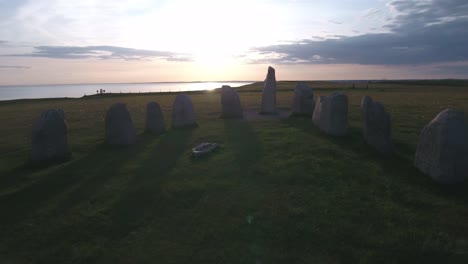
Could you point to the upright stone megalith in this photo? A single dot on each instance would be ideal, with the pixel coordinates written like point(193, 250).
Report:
point(49, 137)
point(183, 113)
point(303, 103)
point(331, 114)
point(154, 119)
point(230, 103)
point(442, 152)
point(269, 94)
point(376, 126)
point(119, 126)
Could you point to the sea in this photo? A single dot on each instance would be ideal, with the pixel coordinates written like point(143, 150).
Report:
point(80, 90)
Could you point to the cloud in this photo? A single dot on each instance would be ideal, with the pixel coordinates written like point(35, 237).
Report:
point(101, 52)
point(14, 67)
point(14, 44)
point(335, 22)
point(421, 32)
point(371, 13)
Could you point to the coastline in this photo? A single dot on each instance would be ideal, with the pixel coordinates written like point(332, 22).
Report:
point(8, 93)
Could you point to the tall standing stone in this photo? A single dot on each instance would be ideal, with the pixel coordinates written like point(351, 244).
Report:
point(376, 126)
point(269, 93)
point(230, 103)
point(442, 152)
point(331, 114)
point(49, 137)
point(119, 126)
point(154, 119)
point(303, 103)
point(183, 113)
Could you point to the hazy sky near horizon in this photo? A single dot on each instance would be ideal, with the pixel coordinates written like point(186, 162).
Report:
point(91, 41)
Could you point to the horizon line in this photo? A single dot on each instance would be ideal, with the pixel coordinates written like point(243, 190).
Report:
point(230, 81)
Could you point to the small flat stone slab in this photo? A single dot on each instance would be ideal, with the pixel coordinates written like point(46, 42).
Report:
point(204, 148)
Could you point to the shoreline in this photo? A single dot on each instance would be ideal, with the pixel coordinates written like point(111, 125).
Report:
point(258, 85)
point(11, 93)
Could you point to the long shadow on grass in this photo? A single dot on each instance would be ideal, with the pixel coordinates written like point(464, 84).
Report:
point(399, 167)
point(90, 188)
point(143, 199)
point(352, 141)
point(86, 174)
point(244, 143)
point(134, 176)
point(397, 183)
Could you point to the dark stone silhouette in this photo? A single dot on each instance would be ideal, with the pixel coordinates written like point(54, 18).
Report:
point(119, 126)
point(183, 113)
point(230, 103)
point(268, 106)
point(154, 122)
point(331, 114)
point(376, 126)
point(303, 103)
point(49, 137)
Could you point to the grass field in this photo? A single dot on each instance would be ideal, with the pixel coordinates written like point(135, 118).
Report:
point(277, 191)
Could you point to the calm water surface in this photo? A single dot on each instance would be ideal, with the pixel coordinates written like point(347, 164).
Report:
point(79, 90)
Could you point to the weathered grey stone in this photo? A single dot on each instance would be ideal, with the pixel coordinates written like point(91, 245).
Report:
point(154, 119)
point(442, 152)
point(230, 103)
point(320, 106)
point(183, 114)
point(303, 103)
point(331, 114)
point(269, 93)
point(376, 126)
point(119, 126)
point(49, 137)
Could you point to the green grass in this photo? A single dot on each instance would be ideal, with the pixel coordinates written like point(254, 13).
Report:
point(277, 191)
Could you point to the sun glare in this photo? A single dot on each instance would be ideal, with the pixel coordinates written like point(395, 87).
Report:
point(214, 33)
point(209, 58)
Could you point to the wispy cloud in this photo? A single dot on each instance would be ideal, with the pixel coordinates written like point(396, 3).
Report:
point(102, 52)
point(371, 13)
point(422, 32)
point(14, 67)
point(335, 22)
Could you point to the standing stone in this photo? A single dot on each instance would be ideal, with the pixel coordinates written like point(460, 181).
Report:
point(320, 106)
point(376, 126)
point(154, 119)
point(331, 114)
point(303, 103)
point(230, 103)
point(442, 152)
point(366, 103)
point(269, 94)
point(49, 137)
point(183, 114)
point(119, 126)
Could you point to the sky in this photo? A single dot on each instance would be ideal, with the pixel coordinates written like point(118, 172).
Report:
point(101, 41)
